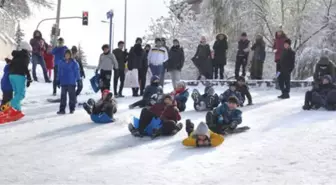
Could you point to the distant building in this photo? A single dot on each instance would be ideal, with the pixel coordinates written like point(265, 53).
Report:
point(7, 33)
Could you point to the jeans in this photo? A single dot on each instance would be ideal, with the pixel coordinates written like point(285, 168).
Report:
point(156, 70)
point(37, 59)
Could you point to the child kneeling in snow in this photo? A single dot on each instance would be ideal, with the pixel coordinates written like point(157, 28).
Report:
point(202, 136)
point(232, 91)
point(225, 118)
point(208, 101)
point(242, 87)
point(149, 98)
point(181, 96)
point(166, 111)
point(103, 110)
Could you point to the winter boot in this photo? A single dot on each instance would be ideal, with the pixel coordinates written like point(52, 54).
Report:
point(135, 132)
point(195, 95)
point(306, 107)
point(87, 108)
point(91, 102)
point(156, 133)
point(189, 127)
point(209, 118)
point(179, 127)
point(61, 112)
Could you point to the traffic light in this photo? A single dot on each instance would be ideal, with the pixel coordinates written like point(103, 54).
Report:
point(85, 20)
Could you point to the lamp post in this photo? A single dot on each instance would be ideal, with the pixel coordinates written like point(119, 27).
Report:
point(125, 23)
point(107, 22)
point(109, 15)
point(57, 25)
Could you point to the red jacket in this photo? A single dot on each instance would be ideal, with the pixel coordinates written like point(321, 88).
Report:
point(165, 112)
point(279, 46)
point(49, 60)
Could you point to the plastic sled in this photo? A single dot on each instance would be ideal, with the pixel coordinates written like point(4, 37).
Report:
point(94, 81)
point(58, 100)
point(101, 118)
point(154, 124)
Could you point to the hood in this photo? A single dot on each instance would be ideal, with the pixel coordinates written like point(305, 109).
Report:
point(225, 37)
point(324, 61)
point(35, 32)
point(202, 129)
point(19, 54)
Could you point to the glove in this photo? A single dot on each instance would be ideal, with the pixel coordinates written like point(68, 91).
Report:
point(28, 83)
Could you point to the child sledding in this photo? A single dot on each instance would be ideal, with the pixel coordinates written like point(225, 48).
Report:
point(207, 101)
point(164, 115)
point(180, 95)
point(232, 92)
point(103, 110)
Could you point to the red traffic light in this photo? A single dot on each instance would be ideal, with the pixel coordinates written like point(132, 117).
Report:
point(85, 14)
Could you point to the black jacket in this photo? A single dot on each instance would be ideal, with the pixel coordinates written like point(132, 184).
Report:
point(259, 54)
point(322, 68)
point(220, 47)
point(244, 91)
point(176, 58)
point(203, 51)
point(150, 90)
point(136, 57)
point(81, 68)
point(243, 44)
point(287, 61)
point(121, 57)
point(19, 64)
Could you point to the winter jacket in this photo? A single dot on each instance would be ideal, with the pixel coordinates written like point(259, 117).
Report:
point(220, 47)
point(81, 67)
point(157, 56)
point(5, 83)
point(181, 98)
point(136, 57)
point(287, 61)
point(226, 116)
point(38, 44)
point(19, 64)
point(259, 54)
point(279, 46)
point(150, 90)
point(58, 53)
point(324, 67)
point(203, 51)
point(243, 45)
point(68, 72)
point(228, 93)
point(109, 107)
point(244, 91)
point(49, 60)
point(107, 62)
point(176, 59)
point(121, 57)
point(165, 112)
point(215, 140)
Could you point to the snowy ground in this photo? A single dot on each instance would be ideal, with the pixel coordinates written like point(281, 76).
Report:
point(284, 146)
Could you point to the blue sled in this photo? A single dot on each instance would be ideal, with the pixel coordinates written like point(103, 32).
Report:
point(154, 124)
point(101, 118)
point(94, 81)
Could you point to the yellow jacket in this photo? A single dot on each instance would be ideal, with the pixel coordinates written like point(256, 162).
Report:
point(215, 139)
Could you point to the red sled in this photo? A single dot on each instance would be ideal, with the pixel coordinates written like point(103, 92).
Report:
point(10, 115)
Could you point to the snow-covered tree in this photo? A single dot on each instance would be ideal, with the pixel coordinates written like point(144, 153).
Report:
point(82, 55)
point(19, 35)
point(19, 9)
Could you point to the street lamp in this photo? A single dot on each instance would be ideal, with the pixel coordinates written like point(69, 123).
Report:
point(125, 23)
point(107, 22)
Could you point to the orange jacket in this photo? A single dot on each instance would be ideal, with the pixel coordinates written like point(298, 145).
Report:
point(215, 139)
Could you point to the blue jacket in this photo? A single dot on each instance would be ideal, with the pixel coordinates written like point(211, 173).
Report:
point(227, 116)
point(58, 53)
point(228, 93)
point(150, 90)
point(182, 97)
point(5, 83)
point(68, 73)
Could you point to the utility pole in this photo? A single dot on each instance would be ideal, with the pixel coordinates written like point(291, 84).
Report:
point(125, 23)
point(57, 25)
point(109, 15)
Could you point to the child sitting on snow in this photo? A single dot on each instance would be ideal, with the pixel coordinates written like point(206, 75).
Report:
point(225, 118)
point(244, 90)
point(166, 111)
point(202, 136)
point(208, 101)
point(103, 110)
point(181, 95)
point(151, 94)
point(6, 87)
point(232, 91)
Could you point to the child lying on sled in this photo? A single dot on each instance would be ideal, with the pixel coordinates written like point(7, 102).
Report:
point(202, 136)
point(103, 110)
point(181, 96)
point(208, 101)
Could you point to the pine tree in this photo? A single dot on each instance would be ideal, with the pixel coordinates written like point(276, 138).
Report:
point(82, 55)
point(19, 36)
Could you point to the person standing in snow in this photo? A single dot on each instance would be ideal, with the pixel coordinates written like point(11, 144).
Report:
point(121, 56)
point(78, 59)
point(242, 55)
point(39, 47)
point(175, 62)
point(136, 59)
point(202, 59)
point(163, 72)
point(278, 46)
point(6, 87)
point(107, 62)
point(58, 53)
point(286, 66)
point(220, 47)
point(157, 56)
point(259, 55)
point(67, 78)
point(143, 70)
point(49, 59)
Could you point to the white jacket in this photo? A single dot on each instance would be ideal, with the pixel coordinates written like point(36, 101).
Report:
point(157, 56)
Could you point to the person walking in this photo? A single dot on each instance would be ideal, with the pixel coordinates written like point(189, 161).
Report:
point(58, 53)
point(78, 59)
point(175, 62)
point(119, 74)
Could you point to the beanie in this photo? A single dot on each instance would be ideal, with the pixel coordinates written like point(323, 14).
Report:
point(202, 129)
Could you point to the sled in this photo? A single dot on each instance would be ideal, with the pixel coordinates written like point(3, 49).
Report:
point(238, 130)
point(4, 118)
point(50, 100)
point(94, 81)
point(154, 124)
point(101, 118)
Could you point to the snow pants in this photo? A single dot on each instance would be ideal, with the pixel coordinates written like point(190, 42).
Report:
point(241, 62)
point(18, 83)
point(38, 60)
point(71, 91)
point(6, 97)
point(175, 76)
point(105, 79)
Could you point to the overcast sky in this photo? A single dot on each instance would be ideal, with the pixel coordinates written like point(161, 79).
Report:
point(92, 37)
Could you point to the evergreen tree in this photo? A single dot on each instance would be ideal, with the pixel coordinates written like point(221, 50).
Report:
point(82, 55)
point(19, 36)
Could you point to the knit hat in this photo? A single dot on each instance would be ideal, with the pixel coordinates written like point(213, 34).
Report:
point(209, 90)
point(244, 34)
point(202, 129)
point(182, 84)
point(167, 96)
point(74, 49)
point(138, 40)
point(233, 99)
point(60, 39)
point(157, 40)
point(288, 41)
point(328, 77)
